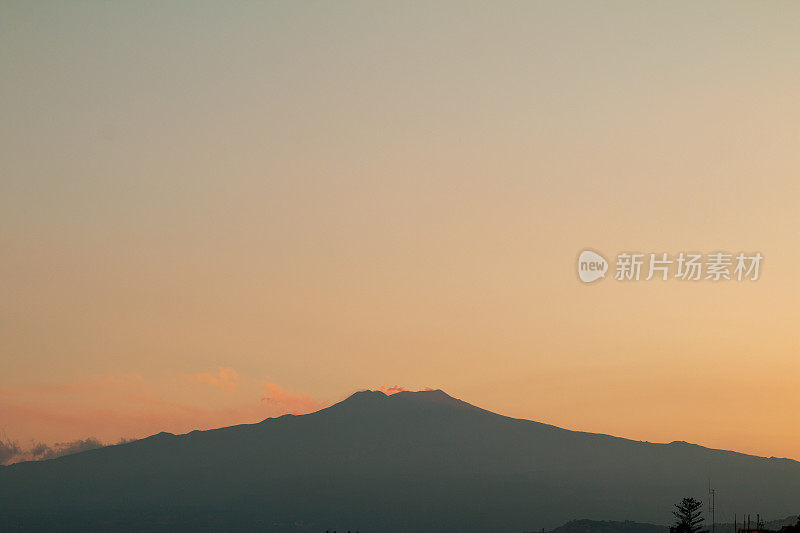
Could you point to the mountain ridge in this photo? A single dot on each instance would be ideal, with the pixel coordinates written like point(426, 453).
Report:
point(419, 461)
point(440, 396)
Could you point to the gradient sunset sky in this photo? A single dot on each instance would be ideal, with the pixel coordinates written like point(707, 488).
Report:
point(211, 213)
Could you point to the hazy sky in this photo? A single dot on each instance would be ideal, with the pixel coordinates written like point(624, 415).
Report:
point(213, 213)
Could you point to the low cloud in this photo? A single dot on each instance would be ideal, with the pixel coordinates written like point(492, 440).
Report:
point(393, 389)
point(224, 378)
point(8, 450)
point(12, 452)
point(108, 406)
point(43, 451)
point(288, 401)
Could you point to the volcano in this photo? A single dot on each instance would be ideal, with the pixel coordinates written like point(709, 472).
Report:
point(411, 461)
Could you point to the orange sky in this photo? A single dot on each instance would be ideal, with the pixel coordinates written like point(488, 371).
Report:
point(214, 215)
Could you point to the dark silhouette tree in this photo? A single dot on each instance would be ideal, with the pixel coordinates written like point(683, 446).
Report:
point(688, 516)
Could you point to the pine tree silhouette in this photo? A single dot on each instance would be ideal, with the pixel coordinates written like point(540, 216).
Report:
point(688, 516)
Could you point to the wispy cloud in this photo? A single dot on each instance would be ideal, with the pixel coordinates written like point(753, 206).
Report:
point(110, 406)
point(12, 452)
point(224, 378)
point(8, 451)
point(288, 400)
point(391, 389)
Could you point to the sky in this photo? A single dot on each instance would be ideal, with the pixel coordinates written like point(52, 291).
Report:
point(212, 213)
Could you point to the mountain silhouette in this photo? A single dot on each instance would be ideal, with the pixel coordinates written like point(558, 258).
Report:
point(412, 461)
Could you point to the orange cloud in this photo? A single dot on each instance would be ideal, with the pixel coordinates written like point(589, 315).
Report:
point(391, 389)
point(288, 400)
point(225, 378)
point(109, 407)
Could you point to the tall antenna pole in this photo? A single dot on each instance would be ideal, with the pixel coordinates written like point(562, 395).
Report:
point(708, 506)
point(713, 516)
point(711, 505)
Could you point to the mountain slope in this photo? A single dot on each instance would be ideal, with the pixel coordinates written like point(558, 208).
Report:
point(419, 461)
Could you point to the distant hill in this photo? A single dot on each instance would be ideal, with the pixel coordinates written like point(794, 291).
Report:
point(608, 526)
point(413, 461)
